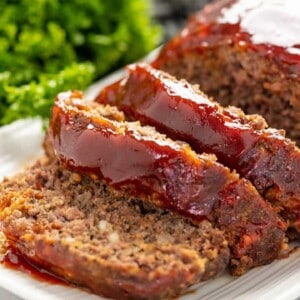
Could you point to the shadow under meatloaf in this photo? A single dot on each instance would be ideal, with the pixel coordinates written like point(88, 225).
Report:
point(118, 247)
point(242, 142)
point(250, 68)
point(141, 162)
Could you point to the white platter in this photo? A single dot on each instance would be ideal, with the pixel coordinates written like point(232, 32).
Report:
point(20, 145)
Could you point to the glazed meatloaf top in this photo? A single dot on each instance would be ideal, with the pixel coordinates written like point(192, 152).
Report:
point(116, 246)
point(242, 142)
point(248, 24)
point(243, 53)
point(142, 162)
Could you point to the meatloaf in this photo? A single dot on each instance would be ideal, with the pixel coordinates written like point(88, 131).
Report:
point(122, 248)
point(243, 53)
point(139, 161)
point(242, 142)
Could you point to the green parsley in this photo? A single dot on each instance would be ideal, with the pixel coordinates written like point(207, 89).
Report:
point(47, 46)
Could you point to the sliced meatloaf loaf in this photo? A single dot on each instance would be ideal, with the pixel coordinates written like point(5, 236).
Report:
point(121, 248)
point(242, 142)
point(141, 162)
point(243, 53)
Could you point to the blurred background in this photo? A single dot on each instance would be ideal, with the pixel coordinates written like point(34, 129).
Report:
point(172, 14)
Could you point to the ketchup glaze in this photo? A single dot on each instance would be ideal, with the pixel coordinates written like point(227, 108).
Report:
point(270, 28)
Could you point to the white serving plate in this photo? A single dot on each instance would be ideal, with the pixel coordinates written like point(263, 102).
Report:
point(20, 145)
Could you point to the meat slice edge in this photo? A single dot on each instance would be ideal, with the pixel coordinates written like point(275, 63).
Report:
point(80, 229)
point(242, 142)
point(139, 161)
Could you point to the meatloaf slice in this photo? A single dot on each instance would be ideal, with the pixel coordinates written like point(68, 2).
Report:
point(141, 162)
point(263, 156)
point(80, 229)
point(243, 53)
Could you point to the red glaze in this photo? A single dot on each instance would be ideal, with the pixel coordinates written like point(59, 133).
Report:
point(167, 173)
point(13, 259)
point(182, 113)
point(264, 156)
point(174, 107)
point(271, 29)
point(141, 165)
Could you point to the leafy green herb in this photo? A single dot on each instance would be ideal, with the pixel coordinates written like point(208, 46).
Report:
point(48, 46)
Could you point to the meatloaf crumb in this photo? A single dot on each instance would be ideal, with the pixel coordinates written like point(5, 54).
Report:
point(118, 247)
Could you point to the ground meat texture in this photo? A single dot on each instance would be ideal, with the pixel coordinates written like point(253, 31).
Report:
point(141, 162)
point(242, 142)
point(227, 49)
point(121, 248)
